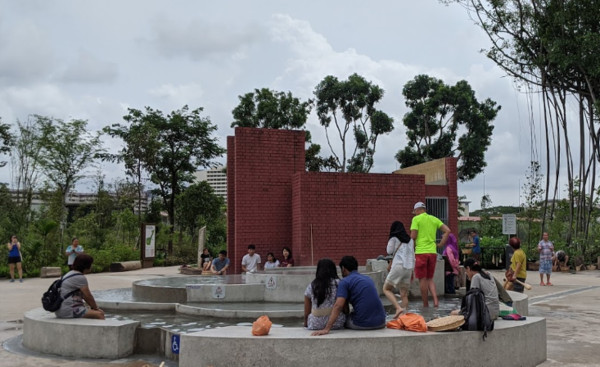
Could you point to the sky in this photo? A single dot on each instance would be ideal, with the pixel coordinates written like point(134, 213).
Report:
point(94, 59)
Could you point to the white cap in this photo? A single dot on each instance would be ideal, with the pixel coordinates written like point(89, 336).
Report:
point(419, 205)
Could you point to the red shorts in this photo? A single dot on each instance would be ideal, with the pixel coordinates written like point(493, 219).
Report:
point(425, 265)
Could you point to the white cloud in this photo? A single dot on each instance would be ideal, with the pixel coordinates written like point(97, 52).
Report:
point(87, 68)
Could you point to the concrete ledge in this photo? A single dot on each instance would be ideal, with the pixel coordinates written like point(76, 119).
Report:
point(526, 340)
point(79, 338)
point(50, 272)
point(125, 266)
point(225, 292)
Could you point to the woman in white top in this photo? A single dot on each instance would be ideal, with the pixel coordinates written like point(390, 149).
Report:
point(402, 247)
point(272, 262)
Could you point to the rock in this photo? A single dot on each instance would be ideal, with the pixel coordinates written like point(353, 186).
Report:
point(50, 272)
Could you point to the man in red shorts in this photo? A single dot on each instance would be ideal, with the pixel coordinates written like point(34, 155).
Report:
point(423, 231)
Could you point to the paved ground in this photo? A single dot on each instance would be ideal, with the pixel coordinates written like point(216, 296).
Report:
point(571, 308)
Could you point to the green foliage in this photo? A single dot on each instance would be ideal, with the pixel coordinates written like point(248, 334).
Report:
point(170, 148)
point(198, 206)
point(350, 106)
point(438, 113)
point(6, 140)
point(67, 150)
point(532, 193)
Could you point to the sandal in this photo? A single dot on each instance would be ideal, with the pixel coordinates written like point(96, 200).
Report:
point(542, 284)
point(549, 283)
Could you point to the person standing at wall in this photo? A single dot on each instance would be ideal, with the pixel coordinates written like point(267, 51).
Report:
point(546, 250)
point(474, 245)
point(423, 230)
point(402, 248)
point(14, 257)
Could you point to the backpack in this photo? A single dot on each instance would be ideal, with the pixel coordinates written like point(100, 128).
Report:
point(476, 313)
point(51, 299)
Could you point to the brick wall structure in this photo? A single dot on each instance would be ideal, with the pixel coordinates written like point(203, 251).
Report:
point(272, 202)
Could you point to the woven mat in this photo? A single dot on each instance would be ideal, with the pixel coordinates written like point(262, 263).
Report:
point(445, 323)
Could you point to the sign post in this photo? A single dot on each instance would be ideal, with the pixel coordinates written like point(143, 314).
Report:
point(148, 246)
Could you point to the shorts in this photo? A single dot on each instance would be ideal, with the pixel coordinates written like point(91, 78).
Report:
point(519, 287)
point(545, 267)
point(399, 277)
point(14, 259)
point(425, 265)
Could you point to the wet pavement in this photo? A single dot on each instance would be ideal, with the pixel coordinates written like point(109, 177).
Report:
point(571, 308)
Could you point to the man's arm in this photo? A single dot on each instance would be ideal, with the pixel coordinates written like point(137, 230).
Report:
point(225, 267)
point(446, 231)
point(337, 308)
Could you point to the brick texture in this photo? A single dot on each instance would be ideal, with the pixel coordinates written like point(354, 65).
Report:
point(273, 202)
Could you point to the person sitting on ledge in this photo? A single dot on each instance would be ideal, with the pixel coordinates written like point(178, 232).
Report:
point(75, 290)
point(206, 259)
point(484, 281)
point(319, 298)
point(359, 291)
point(220, 264)
point(271, 262)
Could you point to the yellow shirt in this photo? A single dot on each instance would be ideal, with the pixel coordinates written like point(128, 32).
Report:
point(519, 258)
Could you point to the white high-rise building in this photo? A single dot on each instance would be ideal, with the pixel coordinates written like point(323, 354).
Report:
point(216, 178)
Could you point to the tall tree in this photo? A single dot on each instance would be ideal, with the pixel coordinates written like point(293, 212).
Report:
point(532, 194)
point(181, 143)
point(265, 108)
point(550, 48)
point(25, 157)
point(439, 112)
point(68, 149)
point(350, 106)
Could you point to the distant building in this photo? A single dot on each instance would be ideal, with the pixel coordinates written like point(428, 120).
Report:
point(216, 178)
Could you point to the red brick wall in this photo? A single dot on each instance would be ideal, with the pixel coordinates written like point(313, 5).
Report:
point(350, 214)
point(273, 202)
point(264, 161)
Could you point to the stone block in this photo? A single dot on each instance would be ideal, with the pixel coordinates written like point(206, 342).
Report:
point(126, 265)
point(111, 339)
point(50, 272)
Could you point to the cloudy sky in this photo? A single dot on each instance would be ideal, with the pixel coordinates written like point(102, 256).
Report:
point(94, 59)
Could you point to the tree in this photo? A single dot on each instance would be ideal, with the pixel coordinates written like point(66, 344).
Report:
point(67, 150)
point(269, 109)
point(532, 195)
point(198, 206)
point(179, 144)
point(549, 48)
point(6, 140)
point(438, 114)
point(349, 105)
point(25, 157)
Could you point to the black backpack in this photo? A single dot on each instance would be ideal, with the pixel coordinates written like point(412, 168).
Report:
point(51, 299)
point(476, 313)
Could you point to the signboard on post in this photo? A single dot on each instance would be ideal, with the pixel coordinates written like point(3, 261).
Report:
point(509, 224)
point(148, 246)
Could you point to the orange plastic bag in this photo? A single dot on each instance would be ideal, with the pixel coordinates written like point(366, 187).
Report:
point(408, 321)
point(261, 326)
point(413, 322)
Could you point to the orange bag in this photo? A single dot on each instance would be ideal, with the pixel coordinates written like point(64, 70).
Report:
point(413, 322)
point(408, 321)
point(261, 326)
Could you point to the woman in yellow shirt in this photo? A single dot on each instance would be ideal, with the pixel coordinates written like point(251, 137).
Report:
point(518, 265)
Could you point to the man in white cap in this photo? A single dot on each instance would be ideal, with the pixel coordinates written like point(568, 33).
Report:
point(423, 231)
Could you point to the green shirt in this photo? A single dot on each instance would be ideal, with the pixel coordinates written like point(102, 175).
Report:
point(426, 226)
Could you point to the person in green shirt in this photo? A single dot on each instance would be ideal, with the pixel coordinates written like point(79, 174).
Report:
point(423, 230)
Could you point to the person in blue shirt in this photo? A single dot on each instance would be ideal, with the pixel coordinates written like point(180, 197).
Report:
point(72, 251)
point(475, 245)
point(220, 264)
point(14, 257)
point(359, 291)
